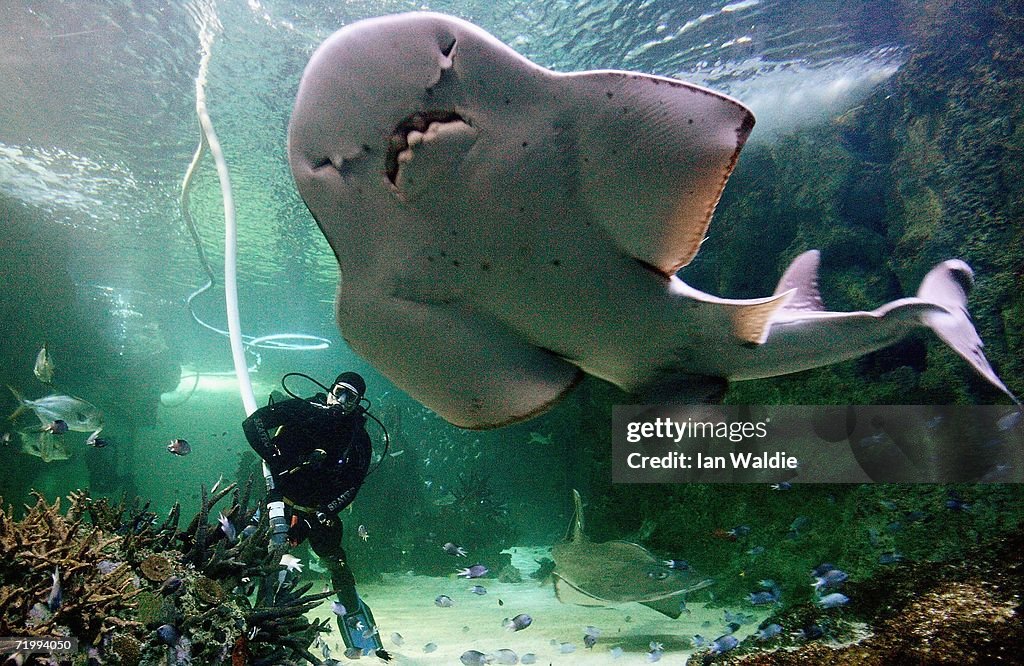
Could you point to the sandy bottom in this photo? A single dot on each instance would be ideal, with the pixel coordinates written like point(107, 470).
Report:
point(404, 604)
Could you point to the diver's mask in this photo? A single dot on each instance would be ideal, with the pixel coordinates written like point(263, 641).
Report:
point(344, 396)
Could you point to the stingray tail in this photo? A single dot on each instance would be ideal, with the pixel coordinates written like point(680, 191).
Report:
point(947, 285)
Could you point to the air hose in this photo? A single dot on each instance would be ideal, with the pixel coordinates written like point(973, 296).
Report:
point(209, 25)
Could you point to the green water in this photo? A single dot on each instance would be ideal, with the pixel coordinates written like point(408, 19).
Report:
point(889, 137)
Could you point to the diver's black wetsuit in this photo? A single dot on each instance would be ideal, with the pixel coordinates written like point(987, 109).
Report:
point(319, 457)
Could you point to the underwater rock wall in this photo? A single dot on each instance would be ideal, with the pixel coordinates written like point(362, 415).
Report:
point(928, 168)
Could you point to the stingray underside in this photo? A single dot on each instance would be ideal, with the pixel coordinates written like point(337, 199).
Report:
point(451, 175)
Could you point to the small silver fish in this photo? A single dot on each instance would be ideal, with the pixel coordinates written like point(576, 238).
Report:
point(43, 445)
point(56, 594)
point(443, 601)
point(396, 638)
point(7, 438)
point(179, 447)
point(452, 549)
point(81, 416)
point(429, 647)
point(473, 658)
point(226, 527)
point(44, 366)
point(363, 533)
point(478, 589)
point(338, 608)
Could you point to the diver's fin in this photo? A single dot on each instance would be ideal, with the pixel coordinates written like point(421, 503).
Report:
point(22, 405)
point(358, 630)
point(947, 285)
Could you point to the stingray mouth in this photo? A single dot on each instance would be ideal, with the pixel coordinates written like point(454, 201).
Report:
point(420, 127)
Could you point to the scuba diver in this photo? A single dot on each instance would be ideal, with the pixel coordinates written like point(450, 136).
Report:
point(318, 453)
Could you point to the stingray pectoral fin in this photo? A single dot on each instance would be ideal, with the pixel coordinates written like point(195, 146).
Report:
point(948, 285)
point(567, 593)
point(670, 606)
point(462, 364)
point(654, 156)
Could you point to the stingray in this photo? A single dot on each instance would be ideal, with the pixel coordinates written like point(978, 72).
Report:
point(502, 229)
point(615, 572)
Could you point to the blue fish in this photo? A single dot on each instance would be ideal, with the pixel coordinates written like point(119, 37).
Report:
point(831, 578)
point(518, 623)
point(724, 644)
point(762, 598)
point(833, 600)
